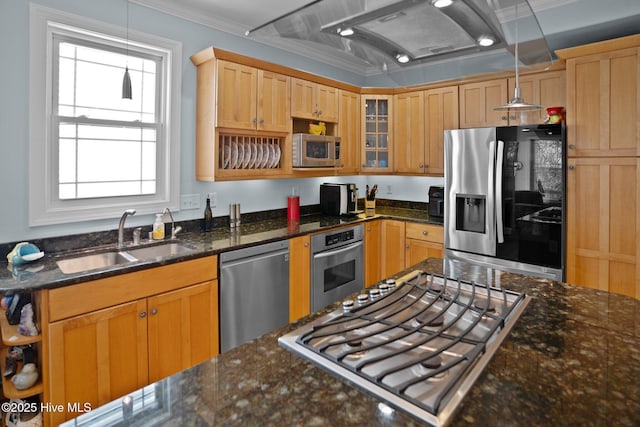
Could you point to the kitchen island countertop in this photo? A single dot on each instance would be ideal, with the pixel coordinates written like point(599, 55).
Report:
point(573, 358)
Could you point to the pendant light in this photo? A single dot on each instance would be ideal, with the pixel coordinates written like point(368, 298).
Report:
point(126, 80)
point(517, 103)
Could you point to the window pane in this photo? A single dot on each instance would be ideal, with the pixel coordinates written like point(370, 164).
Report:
point(98, 160)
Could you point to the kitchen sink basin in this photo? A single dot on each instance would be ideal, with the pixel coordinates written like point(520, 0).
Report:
point(96, 261)
point(163, 250)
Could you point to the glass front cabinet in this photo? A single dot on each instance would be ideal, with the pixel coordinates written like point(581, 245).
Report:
point(377, 133)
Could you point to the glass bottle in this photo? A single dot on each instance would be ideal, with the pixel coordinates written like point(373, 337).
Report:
point(208, 216)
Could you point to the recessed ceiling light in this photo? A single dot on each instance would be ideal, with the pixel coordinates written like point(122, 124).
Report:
point(486, 41)
point(441, 3)
point(402, 58)
point(344, 32)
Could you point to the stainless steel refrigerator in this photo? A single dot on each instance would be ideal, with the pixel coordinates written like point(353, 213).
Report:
point(505, 198)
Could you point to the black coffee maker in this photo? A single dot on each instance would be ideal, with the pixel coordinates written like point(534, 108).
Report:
point(436, 202)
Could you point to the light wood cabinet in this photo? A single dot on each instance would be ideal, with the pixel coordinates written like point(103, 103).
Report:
point(372, 253)
point(251, 98)
point(477, 100)
point(603, 99)
point(314, 101)
point(299, 277)
point(441, 113)
point(603, 224)
point(349, 132)
point(547, 89)
point(376, 153)
point(108, 337)
point(392, 236)
point(423, 241)
point(409, 123)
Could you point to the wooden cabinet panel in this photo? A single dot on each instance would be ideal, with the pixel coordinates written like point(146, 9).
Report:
point(547, 89)
point(97, 357)
point(273, 103)
point(393, 247)
point(419, 250)
point(409, 124)
point(299, 277)
point(314, 101)
point(236, 96)
point(603, 95)
point(441, 113)
point(477, 101)
point(349, 131)
point(426, 232)
point(372, 253)
point(183, 329)
point(602, 224)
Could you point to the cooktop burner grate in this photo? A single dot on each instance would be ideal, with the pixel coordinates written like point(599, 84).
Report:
point(420, 342)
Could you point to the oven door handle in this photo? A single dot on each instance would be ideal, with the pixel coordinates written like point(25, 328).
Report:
point(333, 252)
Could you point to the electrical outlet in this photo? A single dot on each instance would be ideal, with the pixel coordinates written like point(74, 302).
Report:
point(213, 199)
point(189, 201)
point(388, 189)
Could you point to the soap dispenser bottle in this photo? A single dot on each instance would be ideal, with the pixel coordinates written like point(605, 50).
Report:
point(158, 228)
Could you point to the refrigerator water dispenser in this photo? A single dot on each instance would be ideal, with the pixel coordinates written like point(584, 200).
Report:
point(471, 212)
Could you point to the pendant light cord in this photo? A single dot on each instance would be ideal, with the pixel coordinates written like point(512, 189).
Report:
point(516, 55)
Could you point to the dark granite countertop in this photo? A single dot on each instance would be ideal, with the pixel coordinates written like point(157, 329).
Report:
point(572, 359)
point(45, 273)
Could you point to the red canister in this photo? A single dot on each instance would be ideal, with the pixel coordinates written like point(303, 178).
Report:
point(293, 207)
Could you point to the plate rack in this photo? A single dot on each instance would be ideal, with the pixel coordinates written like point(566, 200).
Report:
point(240, 152)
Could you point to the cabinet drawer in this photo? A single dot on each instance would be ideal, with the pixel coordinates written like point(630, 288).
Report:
point(97, 294)
point(426, 232)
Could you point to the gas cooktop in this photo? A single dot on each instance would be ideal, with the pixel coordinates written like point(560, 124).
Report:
point(418, 342)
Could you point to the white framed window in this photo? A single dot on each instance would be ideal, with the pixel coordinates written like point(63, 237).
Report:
point(92, 153)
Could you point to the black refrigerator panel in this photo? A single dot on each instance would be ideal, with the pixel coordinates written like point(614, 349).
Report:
point(533, 188)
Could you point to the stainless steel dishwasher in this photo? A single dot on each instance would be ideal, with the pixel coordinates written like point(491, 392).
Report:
point(254, 292)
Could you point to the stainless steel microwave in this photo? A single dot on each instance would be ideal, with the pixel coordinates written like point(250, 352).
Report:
point(315, 151)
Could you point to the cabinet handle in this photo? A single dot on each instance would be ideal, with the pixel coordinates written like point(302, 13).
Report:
point(572, 146)
point(425, 232)
point(154, 311)
point(503, 118)
point(571, 167)
point(261, 121)
point(421, 166)
point(369, 229)
point(143, 314)
point(255, 120)
point(407, 246)
point(306, 244)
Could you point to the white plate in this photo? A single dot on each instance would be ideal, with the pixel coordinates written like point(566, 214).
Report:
point(227, 156)
point(240, 155)
point(266, 152)
point(247, 155)
point(276, 157)
point(258, 155)
point(234, 155)
point(254, 155)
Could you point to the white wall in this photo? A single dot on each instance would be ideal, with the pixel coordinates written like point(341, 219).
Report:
point(253, 195)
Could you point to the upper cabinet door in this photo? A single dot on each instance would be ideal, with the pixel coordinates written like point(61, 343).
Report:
point(441, 113)
point(273, 107)
point(314, 101)
point(547, 89)
point(602, 104)
point(349, 131)
point(236, 96)
point(409, 124)
point(376, 153)
point(477, 101)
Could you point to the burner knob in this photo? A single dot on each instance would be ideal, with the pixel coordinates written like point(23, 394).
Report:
point(374, 293)
point(391, 283)
point(383, 288)
point(347, 305)
point(363, 298)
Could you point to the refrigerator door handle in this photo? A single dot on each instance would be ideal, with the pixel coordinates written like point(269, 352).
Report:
point(499, 219)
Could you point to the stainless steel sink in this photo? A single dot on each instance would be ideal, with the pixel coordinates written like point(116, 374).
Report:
point(96, 261)
point(163, 250)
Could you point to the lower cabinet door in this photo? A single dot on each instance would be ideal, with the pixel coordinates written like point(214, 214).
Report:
point(182, 328)
point(97, 357)
point(419, 250)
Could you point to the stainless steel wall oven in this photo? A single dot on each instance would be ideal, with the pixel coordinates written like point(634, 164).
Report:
point(337, 265)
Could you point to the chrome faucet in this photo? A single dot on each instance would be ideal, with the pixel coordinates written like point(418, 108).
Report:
point(121, 226)
point(174, 229)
